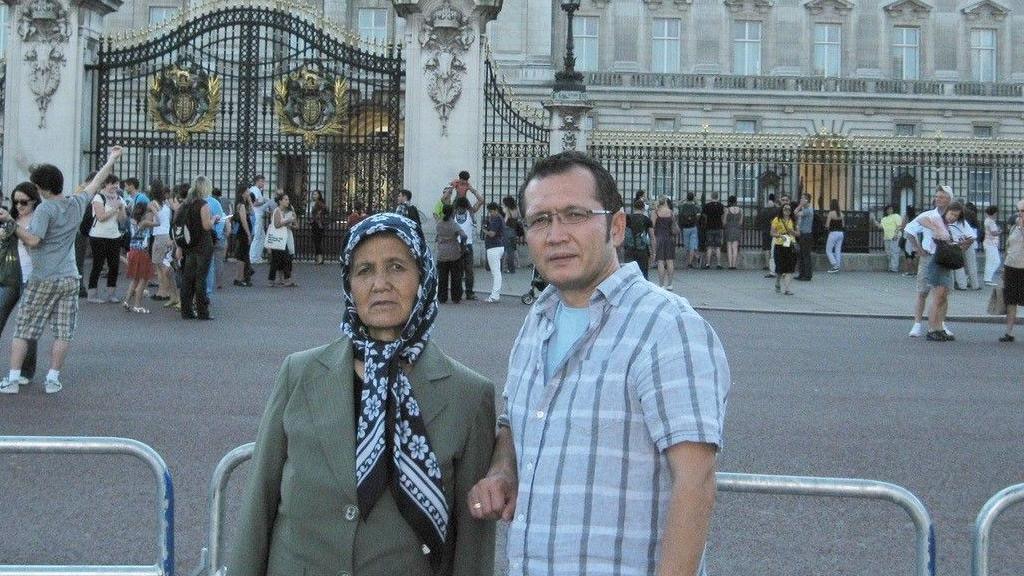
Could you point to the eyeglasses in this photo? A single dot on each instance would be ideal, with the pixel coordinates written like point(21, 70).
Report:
point(572, 215)
point(22, 202)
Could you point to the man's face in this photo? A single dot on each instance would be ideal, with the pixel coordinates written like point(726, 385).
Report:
point(785, 200)
point(942, 199)
point(572, 256)
point(130, 188)
point(261, 184)
point(111, 187)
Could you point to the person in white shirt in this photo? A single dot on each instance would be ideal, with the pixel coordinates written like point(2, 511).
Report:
point(991, 244)
point(968, 275)
point(259, 204)
point(940, 224)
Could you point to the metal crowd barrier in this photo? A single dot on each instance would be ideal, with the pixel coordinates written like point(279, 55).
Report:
point(995, 506)
point(845, 488)
point(210, 562)
point(90, 445)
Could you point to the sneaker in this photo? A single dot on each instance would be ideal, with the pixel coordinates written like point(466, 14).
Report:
point(937, 336)
point(917, 331)
point(8, 387)
point(946, 329)
point(492, 299)
point(832, 271)
point(23, 381)
point(53, 386)
point(1006, 338)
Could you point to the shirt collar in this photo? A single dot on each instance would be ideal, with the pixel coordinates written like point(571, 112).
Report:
point(612, 289)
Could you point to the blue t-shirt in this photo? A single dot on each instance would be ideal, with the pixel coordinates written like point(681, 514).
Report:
point(806, 220)
point(570, 325)
point(216, 210)
point(497, 225)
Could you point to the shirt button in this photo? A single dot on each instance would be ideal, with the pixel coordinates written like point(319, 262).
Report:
point(351, 513)
point(529, 465)
point(540, 414)
point(521, 518)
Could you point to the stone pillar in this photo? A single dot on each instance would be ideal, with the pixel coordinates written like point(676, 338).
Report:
point(444, 95)
point(45, 88)
point(567, 111)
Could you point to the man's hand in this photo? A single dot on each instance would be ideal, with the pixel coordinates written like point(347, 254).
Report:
point(5, 216)
point(115, 153)
point(493, 498)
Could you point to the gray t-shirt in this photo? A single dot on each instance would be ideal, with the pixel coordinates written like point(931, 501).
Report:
point(806, 221)
point(56, 223)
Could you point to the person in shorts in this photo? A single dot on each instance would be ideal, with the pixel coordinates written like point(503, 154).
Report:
point(51, 293)
point(714, 214)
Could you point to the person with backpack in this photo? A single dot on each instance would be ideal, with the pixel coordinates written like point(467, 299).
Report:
point(406, 208)
point(688, 220)
point(636, 246)
point(192, 233)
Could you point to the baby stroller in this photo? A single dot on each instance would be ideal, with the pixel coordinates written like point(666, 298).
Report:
point(537, 285)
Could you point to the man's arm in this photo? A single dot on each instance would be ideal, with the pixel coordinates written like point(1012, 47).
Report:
point(494, 496)
point(689, 511)
point(101, 175)
point(479, 200)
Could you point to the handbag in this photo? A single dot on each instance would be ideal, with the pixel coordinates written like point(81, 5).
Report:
point(276, 238)
point(948, 255)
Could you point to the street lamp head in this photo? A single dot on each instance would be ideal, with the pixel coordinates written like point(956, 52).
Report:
point(570, 5)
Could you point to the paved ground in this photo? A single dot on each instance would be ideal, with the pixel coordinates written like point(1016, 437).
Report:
point(825, 396)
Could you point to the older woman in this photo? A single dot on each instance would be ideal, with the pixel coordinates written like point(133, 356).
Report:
point(1013, 273)
point(370, 444)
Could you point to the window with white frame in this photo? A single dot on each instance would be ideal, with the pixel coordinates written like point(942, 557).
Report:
point(827, 49)
point(664, 124)
point(746, 47)
point(665, 47)
point(161, 14)
point(983, 55)
point(3, 30)
point(584, 37)
point(373, 25)
point(746, 126)
point(983, 131)
point(906, 129)
point(906, 52)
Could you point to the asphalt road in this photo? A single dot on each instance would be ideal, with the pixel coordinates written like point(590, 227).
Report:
point(811, 396)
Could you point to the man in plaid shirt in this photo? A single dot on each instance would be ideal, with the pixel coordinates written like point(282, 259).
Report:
point(615, 400)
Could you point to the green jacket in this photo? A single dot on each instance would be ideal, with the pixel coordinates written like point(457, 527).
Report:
point(301, 516)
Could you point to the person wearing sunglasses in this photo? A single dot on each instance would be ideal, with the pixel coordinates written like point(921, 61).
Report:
point(16, 266)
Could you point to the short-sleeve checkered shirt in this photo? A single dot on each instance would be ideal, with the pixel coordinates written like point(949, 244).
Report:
point(594, 481)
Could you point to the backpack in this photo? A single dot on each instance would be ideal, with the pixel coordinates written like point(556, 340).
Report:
point(180, 232)
point(637, 235)
point(688, 215)
point(88, 219)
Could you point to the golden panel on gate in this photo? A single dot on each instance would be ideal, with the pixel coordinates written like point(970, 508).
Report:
point(183, 98)
point(312, 102)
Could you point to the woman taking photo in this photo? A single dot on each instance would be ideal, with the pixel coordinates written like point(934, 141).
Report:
point(733, 231)
point(1013, 273)
point(665, 234)
point(330, 490)
point(282, 222)
point(108, 212)
point(450, 241)
point(784, 239)
point(834, 244)
point(16, 266)
point(243, 235)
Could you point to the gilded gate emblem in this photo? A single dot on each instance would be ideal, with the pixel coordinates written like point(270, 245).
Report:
point(184, 99)
point(311, 102)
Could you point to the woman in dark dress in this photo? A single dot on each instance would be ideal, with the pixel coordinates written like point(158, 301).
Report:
point(665, 243)
point(243, 236)
point(317, 223)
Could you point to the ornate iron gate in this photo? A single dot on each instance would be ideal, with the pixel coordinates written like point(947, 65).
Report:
point(269, 89)
point(863, 174)
point(514, 138)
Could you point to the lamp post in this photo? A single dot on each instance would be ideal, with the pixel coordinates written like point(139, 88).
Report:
point(569, 79)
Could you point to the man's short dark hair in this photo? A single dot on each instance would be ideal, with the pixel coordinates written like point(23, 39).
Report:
point(216, 193)
point(493, 207)
point(689, 196)
point(607, 191)
point(992, 210)
point(405, 194)
point(461, 202)
point(111, 179)
point(47, 177)
point(133, 182)
point(464, 175)
point(258, 178)
point(771, 196)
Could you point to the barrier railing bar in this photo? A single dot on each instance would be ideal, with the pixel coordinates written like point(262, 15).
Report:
point(995, 506)
point(211, 557)
point(845, 488)
point(112, 446)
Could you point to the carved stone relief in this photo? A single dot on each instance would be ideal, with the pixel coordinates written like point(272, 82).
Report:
point(570, 129)
point(986, 11)
point(445, 35)
point(44, 27)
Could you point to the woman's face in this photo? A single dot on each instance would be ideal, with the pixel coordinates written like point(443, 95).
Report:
point(285, 201)
point(787, 211)
point(22, 203)
point(385, 279)
point(952, 216)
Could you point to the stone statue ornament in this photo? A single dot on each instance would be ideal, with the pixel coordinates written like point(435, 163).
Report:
point(183, 98)
point(44, 27)
point(448, 34)
point(312, 102)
